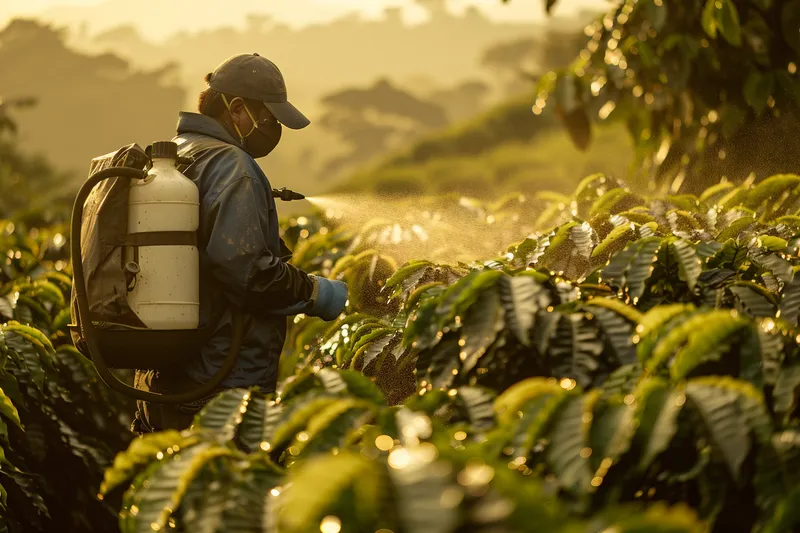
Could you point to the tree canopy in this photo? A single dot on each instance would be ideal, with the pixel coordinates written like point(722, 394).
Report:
point(707, 89)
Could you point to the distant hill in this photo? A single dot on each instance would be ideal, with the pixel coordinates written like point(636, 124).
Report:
point(86, 105)
point(506, 149)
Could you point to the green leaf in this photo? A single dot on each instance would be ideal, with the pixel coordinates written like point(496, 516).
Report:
point(660, 315)
point(630, 313)
point(231, 503)
point(727, 427)
point(167, 484)
point(618, 331)
point(516, 396)
point(703, 337)
point(38, 339)
point(224, 412)
point(614, 241)
point(479, 405)
point(709, 19)
point(327, 428)
point(630, 268)
point(568, 437)
point(371, 350)
point(258, 423)
point(786, 517)
point(320, 482)
point(437, 365)
point(728, 21)
point(657, 414)
point(790, 23)
point(6, 308)
point(47, 291)
point(771, 189)
point(752, 299)
point(688, 263)
point(622, 381)
point(295, 418)
point(575, 349)
point(420, 488)
point(611, 432)
point(8, 409)
point(614, 201)
point(482, 323)
point(757, 89)
point(657, 14)
point(522, 297)
point(774, 263)
point(786, 390)
point(142, 450)
point(566, 94)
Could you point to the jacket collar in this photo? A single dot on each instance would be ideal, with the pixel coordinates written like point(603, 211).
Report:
point(204, 125)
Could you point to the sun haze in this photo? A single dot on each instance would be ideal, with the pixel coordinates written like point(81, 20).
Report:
point(204, 14)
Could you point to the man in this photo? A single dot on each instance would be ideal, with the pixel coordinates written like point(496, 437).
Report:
point(242, 257)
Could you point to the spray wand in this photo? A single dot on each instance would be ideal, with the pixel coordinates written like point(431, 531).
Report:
point(287, 195)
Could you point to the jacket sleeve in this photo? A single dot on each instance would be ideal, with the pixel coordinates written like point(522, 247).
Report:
point(237, 250)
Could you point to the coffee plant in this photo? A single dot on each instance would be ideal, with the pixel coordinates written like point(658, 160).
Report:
point(60, 427)
point(632, 365)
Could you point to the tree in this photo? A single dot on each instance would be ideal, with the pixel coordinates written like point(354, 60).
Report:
point(436, 8)
point(520, 61)
point(376, 119)
point(28, 185)
point(87, 105)
point(462, 101)
point(707, 89)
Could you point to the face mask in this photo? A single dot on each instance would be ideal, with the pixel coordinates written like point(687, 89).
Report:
point(262, 138)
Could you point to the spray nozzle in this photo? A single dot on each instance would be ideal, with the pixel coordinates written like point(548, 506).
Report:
point(287, 195)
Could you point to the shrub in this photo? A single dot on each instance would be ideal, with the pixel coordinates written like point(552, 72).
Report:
point(639, 353)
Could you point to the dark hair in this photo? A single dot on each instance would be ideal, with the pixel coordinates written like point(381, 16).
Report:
point(210, 101)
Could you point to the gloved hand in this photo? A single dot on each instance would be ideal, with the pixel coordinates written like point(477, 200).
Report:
point(328, 298)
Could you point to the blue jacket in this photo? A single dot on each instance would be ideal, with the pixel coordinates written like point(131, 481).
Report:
point(242, 257)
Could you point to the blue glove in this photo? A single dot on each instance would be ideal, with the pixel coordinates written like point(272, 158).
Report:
point(328, 299)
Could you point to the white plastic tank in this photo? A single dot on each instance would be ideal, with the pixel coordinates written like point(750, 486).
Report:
point(166, 290)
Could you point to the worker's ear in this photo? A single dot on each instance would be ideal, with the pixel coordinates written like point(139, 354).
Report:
point(240, 117)
point(237, 108)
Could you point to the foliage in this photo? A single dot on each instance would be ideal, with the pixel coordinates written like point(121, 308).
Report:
point(59, 425)
point(639, 355)
point(25, 180)
point(706, 89)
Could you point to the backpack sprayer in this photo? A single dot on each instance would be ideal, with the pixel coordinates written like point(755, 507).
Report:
point(138, 311)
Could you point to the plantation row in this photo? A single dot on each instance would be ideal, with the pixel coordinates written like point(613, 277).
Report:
point(630, 366)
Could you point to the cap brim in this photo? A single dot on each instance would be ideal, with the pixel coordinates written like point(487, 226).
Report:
point(288, 115)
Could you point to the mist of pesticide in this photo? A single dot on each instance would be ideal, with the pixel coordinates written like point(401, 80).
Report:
point(444, 229)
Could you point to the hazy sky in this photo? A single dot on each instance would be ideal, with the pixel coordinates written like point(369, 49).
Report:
point(158, 18)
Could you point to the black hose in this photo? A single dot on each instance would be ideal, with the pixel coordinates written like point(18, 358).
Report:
point(88, 328)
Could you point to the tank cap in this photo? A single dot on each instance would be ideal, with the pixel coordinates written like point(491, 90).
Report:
point(165, 149)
